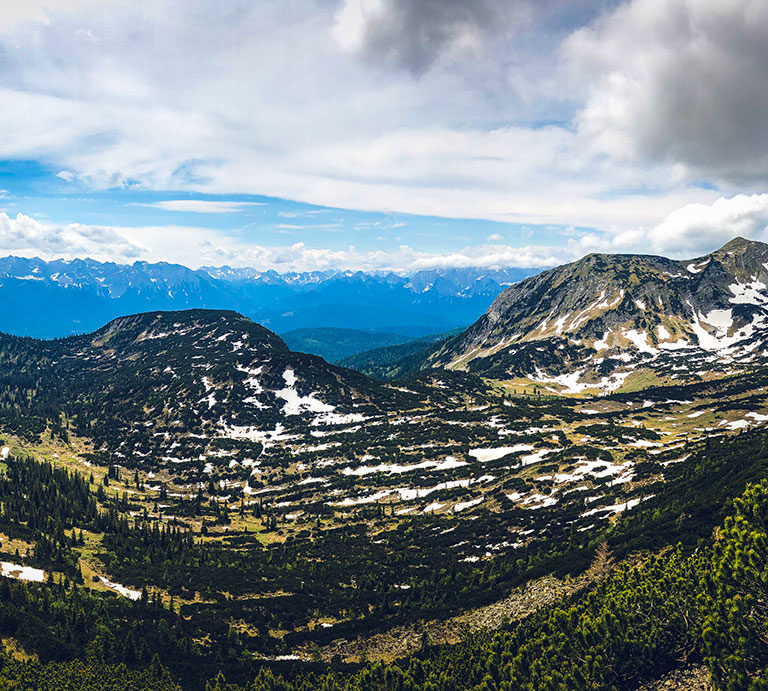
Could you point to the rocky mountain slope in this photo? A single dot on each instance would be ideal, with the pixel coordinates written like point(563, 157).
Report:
point(599, 323)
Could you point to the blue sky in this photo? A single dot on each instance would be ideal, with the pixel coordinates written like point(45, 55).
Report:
point(34, 190)
point(381, 134)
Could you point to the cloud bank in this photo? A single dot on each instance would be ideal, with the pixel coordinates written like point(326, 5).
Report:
point(678, 81)
point(26, 237)
point(687, 232)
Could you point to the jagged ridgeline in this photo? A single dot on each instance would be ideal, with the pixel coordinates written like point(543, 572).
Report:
point(57, 298)
point(615, 322)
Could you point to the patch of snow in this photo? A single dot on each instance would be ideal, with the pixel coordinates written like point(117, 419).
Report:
point(339, 419)
point(21, 573)
point(266, 437)
point(391, 468)
point(467, 504)
point(539, 501)
point(367, 499)
point(535, 457)
point(485, 455)
point(296, 404)
point(312, 480)
point(735, 424)
point(602, 343)
point(674, 345)
point(697, 268)
point(748, 293)
point(640, 341)
point(125, 592)
point(644, 444)
point(596, 469)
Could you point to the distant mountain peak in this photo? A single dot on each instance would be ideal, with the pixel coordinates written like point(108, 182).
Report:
point(57, 298)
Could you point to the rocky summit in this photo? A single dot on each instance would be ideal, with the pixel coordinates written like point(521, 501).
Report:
point(616, 322)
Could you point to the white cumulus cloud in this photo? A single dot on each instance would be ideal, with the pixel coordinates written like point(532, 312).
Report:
point(26, 237)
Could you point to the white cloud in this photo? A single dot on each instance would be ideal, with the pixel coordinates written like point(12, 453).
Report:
point(195, 247)
point(678, 81)
point(202, 206)
point(26, 237)
point(696, 229)
point(67, 175)
point(689, 231)
point(228, 104)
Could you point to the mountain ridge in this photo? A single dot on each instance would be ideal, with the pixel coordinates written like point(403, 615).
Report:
point(61, 297)
point(609, 314)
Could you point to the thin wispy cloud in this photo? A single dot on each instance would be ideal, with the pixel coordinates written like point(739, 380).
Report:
point(200, 206)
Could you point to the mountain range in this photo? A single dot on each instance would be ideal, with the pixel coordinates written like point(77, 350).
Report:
point(58, 298)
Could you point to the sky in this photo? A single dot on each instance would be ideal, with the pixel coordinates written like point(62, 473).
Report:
point(381, 134)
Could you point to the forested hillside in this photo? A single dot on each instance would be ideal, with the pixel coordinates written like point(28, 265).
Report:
point(182, 494)
point(700, 602)
point(334, 345)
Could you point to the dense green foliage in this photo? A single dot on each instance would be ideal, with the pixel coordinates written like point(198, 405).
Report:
point(394, 361)
point(638, 623)
point(333, 344)
point(80, 676)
